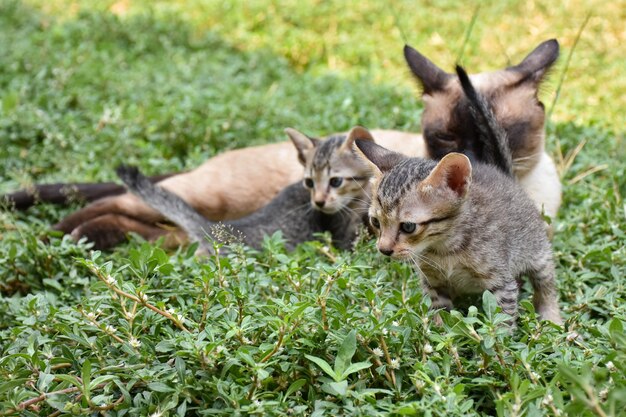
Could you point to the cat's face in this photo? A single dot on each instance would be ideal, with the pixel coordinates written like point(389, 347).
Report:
point(336, 177)
point(512, 93)
point(414, 201)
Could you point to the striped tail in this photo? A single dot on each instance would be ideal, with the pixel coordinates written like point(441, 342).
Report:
point(167, 203)
point(493, 137)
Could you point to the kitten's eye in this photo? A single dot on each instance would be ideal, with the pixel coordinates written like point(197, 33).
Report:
point(308, 183)
point(375, 222)
point(407, 227)
point(335, 182)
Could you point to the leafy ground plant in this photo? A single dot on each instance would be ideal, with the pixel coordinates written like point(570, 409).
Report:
point(85, 86)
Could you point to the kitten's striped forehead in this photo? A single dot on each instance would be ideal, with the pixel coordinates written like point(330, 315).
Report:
point(402, 178)
point(325, 150)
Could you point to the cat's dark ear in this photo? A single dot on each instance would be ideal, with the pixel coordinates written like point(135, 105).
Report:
point(378, 158)
point(535, 66)
point(454, 171)
point(302, 142)
point(357, 132)
point(430, 76)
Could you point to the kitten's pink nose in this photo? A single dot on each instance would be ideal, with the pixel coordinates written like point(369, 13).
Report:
point(386, 251)
point(320, 204)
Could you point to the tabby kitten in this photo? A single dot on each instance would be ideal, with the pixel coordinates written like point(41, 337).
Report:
point(467, 227)
point(335, 185)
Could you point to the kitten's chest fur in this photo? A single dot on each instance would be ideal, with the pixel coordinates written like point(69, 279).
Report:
point(458, 273)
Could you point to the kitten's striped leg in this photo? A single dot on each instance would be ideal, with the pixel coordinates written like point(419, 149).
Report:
point(440, 299)
point(545, 297)
point(506, 292)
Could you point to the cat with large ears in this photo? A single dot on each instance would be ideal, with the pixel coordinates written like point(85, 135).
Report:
point(467, 227)
point(295, 211)
point(335, 176)
point(511, 92)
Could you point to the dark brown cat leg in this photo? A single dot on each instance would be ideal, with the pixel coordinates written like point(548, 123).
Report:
point(126, 204)
point(545, 296)
point(111, 229)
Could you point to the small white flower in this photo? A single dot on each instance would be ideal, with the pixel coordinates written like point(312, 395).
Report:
point(171, 310)
point(110, 329)
point(129, 315)
point(571, 336)
point(419, 384)
point(395, 363)
point(246, 341)
point(611, 366)
point(395, 324)
point(378, 352)
point(603, 394)
point(385, 332)
point(143, 297)
point(428, 349)
point(111, 281)
point(134, 342)
point(91, 315)
point(257, 403)
point(547, 400)
point(180, 318)
point(156, 414)
point(219, 349)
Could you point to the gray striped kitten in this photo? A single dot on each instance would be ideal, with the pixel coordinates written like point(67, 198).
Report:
point(467, 227)
point(328, 203)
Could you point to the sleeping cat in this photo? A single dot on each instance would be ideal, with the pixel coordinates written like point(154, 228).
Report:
point(237, 183)
point(467, 227)
point(332, 198)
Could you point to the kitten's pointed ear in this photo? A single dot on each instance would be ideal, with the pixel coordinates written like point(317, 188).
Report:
point(357, 132)
point(454, 171)
point(430, 76)
point(538, 62)
point(302, 142)
point(380, 159)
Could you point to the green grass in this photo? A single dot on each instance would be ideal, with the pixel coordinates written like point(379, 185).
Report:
point(165, 85)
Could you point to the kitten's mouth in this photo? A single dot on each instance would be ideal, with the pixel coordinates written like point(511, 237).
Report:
point(402, 255)
point(327, 209)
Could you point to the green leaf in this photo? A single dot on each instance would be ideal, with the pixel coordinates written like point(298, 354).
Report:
point(86, 377)
point(346, 352)
point(179, 364)
point(341, 387)
point(489, 304)
point(160, 387)
point(324, 365)
point(355, 367)
point(12, 384)
point(295, 386)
